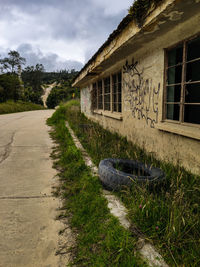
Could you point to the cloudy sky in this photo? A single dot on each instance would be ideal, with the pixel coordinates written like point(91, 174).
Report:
point(60, 34)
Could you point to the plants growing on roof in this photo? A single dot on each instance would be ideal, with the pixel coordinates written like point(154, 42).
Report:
point(140, 9)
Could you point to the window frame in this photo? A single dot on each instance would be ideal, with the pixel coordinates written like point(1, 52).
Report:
point(118, 93)
point(182, 84)
point(96, 95)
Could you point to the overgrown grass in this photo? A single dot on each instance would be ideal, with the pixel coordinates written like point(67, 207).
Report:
point(101, 241)
point(19, 106)
point(168, 215)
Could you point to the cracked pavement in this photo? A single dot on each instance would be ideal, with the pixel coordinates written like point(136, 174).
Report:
point(28, 229)
point(7, 148)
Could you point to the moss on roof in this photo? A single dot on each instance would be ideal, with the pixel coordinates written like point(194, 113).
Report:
point(140, 9)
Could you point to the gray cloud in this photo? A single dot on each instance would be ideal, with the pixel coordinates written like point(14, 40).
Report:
point(50, 61)
point(62, 31)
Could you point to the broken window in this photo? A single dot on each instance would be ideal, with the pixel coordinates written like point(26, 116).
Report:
point(182, 100)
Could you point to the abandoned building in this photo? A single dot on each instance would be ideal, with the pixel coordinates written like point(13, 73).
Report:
point(144, 82)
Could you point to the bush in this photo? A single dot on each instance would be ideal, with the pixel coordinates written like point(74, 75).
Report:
point(19, 106)
point(60, 94)
point(10, 87)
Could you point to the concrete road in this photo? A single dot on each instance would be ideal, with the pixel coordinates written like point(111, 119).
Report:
point(28, 229)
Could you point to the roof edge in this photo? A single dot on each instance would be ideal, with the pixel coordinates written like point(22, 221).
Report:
point(122, 25)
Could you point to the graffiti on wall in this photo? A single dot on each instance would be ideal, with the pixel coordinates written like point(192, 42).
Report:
point(140, 95)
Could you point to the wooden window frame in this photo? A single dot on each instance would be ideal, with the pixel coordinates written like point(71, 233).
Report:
point(96, 94)
point(183, 83)
point(100, 95)
point(107, 94)
point(118, 84)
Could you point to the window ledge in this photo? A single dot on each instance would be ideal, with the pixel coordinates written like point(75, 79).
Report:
point(180, 129)
point(114, 115)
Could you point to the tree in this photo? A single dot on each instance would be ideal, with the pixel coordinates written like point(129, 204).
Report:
point(9, 87)
point(13, 62)
point(32, 78)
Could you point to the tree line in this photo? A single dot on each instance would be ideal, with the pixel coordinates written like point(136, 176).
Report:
point(26, 84)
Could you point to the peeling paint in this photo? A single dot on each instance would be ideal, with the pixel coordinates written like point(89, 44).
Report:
point(174, 15)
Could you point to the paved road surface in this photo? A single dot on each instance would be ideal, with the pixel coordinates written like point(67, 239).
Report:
point(28, 231)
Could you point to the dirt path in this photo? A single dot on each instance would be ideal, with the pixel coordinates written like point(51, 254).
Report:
point(47, 92)
point(28, 229)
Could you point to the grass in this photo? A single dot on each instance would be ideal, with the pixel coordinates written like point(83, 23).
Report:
point(100, 240)
point(19, 106)
point(168, 215)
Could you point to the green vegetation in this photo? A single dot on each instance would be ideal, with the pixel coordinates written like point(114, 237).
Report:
point(12, 63)
point(27, 85)
point(59, 76)
point(32, 79)
point(169, 215)
point(10, 87)
point(14, 85)
point(19, 106)
point(100, 240)
point(63, 91)
point(140, 8)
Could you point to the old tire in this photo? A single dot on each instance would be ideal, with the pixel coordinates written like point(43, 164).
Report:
point(114, 179)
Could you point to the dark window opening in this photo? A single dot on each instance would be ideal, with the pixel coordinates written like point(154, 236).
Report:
point(175, 56)
point(94, 96)
point(173, 112)
point(192, 114)
point(107, 93)
point(117, 87)
point(174, 93)
point(182, 101)
point(100, 95)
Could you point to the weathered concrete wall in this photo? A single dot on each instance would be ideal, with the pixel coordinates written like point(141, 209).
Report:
point(86, 100)
point(142, 96)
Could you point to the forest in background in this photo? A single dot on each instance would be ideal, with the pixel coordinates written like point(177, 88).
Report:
point(28, 84)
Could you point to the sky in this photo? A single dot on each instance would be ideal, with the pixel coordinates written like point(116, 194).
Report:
point(60, 34)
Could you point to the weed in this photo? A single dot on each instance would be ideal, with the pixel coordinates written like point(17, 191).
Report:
point(100, 241)
point(168, 215)
point(19, 106)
